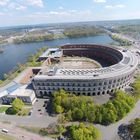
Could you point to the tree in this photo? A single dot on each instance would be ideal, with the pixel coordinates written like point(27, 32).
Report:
point(58, 100)
point(61, 129)
point(59, 109)
point(136, 86)
point(90, 113)
point(61, 119)
point(83, 132)
point(17, 105)
point(77, 114)
point(119, 109)
point(98, 115)
point(134, 128)
point(69, 115)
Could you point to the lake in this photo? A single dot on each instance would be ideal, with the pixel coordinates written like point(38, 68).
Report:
point(19, 53)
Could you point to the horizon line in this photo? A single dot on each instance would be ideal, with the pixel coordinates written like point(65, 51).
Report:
point(38, 24)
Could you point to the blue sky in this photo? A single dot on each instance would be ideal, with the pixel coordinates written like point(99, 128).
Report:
point(23, 12)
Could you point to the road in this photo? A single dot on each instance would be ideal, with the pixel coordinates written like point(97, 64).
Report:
point(110, 132)
point(21, 134)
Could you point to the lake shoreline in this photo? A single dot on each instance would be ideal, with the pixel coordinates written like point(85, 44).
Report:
point(18, 53)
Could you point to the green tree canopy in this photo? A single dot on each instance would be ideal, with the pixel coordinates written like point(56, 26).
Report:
point(83, 132)
point(17, 105)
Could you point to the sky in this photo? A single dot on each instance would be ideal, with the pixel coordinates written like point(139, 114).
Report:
point(24, 12)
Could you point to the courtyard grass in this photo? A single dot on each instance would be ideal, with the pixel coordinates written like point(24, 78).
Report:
point(3, 109)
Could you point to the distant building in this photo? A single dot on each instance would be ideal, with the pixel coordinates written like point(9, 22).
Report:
point(51, 53)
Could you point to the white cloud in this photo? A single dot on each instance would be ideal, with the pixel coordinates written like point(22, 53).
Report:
point(115, 6)
point(120, 6)
point(21, 7)
point(60, 16)
point(100, 1)
point(16, 6)
point(37, 3)
point(3, 2)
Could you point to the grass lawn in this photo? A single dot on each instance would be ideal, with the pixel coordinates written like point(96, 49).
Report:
point(36, 130)
point(23, 112)
point(3, 109)
point(31, 129)
point(6, 137)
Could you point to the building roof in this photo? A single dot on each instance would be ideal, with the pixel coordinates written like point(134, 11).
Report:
point(22, 91)
point(3, 93)
point(126, 65)
point(47, 53)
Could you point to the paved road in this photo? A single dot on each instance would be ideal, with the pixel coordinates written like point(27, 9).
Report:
point(110, 132)
point(40, 121)
point(21, 134)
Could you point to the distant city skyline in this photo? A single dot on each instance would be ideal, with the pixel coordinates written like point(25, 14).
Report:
point(24, 12)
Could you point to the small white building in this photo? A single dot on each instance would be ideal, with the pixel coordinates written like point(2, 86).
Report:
point(23, 93)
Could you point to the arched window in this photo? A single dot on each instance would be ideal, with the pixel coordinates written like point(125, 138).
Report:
point(38, 84)
point(84, 93)
point(88, 94)
point(103, 92)
point(45, 92)
point(84, 85)
point(108, 92)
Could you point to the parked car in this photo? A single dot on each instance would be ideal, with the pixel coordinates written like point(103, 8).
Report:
point(30, 112)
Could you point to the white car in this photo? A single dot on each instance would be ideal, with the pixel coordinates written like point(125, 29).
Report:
point(5, 130)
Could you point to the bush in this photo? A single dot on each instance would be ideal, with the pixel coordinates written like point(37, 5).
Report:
point(43, 131)
point(11, 111)
point(61, 129)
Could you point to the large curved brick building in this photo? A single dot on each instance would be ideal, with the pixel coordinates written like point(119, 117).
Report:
point(118, 68)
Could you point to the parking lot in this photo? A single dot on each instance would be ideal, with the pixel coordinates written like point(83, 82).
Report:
point(39, 108)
